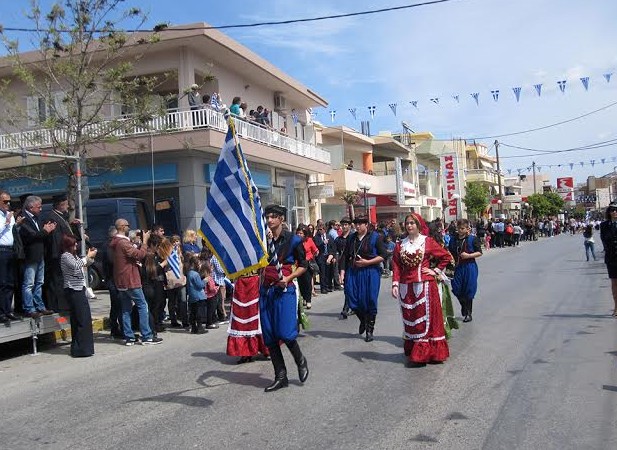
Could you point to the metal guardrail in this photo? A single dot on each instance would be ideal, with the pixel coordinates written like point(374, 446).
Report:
point(171, 121)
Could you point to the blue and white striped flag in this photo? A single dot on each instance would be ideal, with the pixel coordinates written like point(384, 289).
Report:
point(232, 225)
point(174, 263)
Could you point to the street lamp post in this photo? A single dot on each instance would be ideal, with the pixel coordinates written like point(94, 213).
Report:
point(365, 186)
point(499, 202)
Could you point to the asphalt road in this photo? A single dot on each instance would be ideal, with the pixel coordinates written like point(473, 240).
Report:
point(536, 369)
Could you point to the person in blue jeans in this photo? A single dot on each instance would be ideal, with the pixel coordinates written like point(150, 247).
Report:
point(128, 282)
point(33, 235)
point(589, 242)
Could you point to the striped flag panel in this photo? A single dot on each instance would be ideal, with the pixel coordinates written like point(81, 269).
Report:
point(232, 224)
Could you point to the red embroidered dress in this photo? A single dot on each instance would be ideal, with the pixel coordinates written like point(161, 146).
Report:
point(425, 337)
point(245, 338)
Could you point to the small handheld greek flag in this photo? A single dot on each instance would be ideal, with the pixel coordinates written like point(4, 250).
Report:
point(174, 263)
point(232, 224)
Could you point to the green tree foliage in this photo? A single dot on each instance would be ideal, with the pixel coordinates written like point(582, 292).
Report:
point(350, 198)
point(477, 198)
point(82, 68)
point(546, 204)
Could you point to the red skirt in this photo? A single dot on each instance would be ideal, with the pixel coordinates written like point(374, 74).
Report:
point(244, 331)
point(425, 336)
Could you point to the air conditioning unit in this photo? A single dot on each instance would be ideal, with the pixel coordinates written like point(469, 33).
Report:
point(280, 102)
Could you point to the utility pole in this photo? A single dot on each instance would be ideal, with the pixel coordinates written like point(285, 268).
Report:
point(498, 168)
point(533, 166)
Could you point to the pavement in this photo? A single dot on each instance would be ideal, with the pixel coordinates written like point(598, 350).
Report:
point(535, 369)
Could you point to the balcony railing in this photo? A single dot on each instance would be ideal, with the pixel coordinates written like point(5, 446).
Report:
point(482, 175)
point(171, 121)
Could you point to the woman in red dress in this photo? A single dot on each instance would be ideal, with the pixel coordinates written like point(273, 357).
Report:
point(414, 285)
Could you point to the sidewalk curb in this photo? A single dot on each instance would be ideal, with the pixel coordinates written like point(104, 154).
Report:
point(98, 324)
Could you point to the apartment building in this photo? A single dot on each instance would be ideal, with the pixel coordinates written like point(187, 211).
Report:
point(175, 155)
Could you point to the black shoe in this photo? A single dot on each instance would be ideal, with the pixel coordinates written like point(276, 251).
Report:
point(12, 316)
point(362, 327)
point(467, 318)
point(329, 289)
point(4, 319)
point(342, 316)
point(176, 325)
point(303, 370)
point(369, 336)
point(278, 383)
point(324, 291)
point(212, 326)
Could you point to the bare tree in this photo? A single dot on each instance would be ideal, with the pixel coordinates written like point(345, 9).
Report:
point(81, 71)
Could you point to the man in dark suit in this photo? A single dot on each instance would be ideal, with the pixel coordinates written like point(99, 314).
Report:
point(33, 235)
point(54, 282)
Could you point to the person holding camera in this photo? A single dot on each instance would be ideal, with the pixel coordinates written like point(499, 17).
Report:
point(127, 260)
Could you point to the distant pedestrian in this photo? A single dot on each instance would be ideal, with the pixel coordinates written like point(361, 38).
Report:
point(589, 242)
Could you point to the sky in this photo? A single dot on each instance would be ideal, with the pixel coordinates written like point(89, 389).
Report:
point(459, 47)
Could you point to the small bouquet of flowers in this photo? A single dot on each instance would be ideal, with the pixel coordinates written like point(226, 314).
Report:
point(412, 259)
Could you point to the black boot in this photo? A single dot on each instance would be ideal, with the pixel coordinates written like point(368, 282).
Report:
point(370, 327)
point(362, 318)
point(300, 360)
point(463, 302)
point(280, 371)
point(468, 317)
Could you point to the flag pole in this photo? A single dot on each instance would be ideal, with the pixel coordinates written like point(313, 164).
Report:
point(271, 246)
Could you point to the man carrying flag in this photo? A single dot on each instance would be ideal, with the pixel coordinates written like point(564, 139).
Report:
point(277, 297)
point(233, 228)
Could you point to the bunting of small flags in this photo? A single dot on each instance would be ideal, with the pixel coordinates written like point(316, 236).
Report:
point(517, 93)
point(591, 162)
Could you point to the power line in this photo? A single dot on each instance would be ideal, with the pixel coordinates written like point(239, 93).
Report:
point(573, 149)
point(545, 126)
point(162, 27)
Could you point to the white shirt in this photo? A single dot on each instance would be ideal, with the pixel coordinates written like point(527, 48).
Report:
point(6, 230)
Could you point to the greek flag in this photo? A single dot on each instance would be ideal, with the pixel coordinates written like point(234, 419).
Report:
point(232, 225)
point(174, 263)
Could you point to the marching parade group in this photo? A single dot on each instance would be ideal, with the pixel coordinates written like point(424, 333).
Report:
point(427, 263)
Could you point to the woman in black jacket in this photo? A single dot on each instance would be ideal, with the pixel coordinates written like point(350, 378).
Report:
point(608, 234)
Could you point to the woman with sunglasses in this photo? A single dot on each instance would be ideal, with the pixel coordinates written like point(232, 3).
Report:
point(608, 234)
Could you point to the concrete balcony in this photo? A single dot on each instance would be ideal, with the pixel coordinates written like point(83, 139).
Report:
point(347, 180)
point(263, 142)
point(482, 176)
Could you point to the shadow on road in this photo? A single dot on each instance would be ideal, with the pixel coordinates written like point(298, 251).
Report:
point(179, 398)
point(217, 356)
point(397, 358)
point(580, 316)
point(214, 378)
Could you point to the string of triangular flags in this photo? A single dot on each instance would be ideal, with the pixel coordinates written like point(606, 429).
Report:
point(495, 95)
point(571, 165)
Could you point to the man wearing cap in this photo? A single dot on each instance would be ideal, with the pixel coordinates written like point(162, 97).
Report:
point(54, 281)
point(277, 296)
point(33, 235)
point(364, 252)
